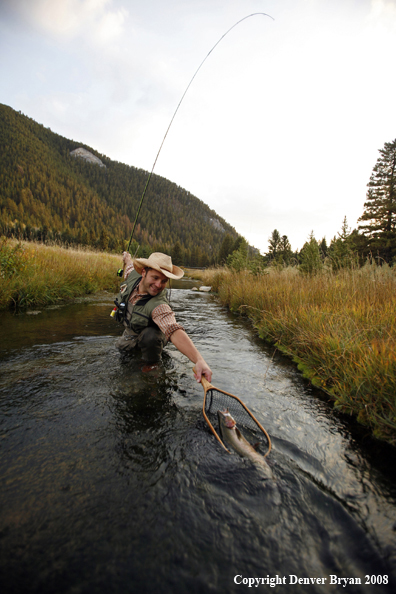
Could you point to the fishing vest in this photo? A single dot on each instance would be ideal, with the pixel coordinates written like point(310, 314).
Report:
point(143, 308)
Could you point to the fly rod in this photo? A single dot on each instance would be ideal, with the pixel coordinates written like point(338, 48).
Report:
point(176, 110)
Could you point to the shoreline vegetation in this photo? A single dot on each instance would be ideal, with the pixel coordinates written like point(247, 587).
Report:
point(34, 274)
point(338, 327)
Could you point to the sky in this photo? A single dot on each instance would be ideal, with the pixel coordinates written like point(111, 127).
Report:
point(280, 128)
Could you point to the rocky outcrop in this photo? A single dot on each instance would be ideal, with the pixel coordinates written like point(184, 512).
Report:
point(217, 225)
point(84, 154)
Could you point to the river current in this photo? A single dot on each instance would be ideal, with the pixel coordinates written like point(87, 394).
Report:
point(111, 482)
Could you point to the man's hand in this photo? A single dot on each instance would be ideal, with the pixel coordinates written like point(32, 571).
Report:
point(202, 368)
point(126, 258)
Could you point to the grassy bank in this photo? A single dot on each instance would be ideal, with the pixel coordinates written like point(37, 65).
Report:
point(37, 275)
point(339, 328)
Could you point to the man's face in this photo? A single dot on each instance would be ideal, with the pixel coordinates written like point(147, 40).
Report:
point(153, 282)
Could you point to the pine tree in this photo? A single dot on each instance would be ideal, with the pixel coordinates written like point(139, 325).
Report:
point(104, 239)
point(311, 262)
point(226, 248)
point(176, 254)
point(238, 260)
point(274, 244)
point(379, 216)
point(285, 250)
point(341, 251)
point(323, 247)
point(279, 250)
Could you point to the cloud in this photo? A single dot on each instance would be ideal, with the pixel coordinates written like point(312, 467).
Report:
point(384, 10)
point(94, 20)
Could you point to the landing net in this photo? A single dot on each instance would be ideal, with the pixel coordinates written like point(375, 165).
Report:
point(246, 422)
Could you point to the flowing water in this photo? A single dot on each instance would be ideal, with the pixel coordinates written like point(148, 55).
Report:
point(112, 483)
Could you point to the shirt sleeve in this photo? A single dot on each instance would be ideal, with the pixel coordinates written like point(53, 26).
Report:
point(165, 319)
point(128, 270)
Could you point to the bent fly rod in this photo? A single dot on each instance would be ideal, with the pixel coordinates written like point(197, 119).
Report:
point(174, 115)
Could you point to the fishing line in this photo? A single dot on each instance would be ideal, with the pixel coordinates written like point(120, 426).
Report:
point(177, 109)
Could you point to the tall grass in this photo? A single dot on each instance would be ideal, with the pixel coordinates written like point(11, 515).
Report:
point(36, 275)
point(339, 328)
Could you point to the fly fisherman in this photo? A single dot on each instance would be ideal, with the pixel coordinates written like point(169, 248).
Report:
point(145, 312)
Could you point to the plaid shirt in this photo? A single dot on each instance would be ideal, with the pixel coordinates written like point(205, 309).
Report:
point(162, 315)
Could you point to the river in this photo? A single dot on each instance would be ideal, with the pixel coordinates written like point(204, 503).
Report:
point(112, 483)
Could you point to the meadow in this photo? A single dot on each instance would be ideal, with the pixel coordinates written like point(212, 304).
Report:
point(33, 274)
point(340, 329)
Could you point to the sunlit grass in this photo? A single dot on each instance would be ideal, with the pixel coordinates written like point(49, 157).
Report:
point(36, 274)
point(339, 328)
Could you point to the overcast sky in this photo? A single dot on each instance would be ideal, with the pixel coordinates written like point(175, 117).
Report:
point(280, 128)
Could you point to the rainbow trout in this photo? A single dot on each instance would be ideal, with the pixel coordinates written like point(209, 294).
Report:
point(231, 435)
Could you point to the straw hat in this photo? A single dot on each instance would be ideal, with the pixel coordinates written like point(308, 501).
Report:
point(160, 262)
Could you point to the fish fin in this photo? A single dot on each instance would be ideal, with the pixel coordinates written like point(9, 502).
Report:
point(256, 445)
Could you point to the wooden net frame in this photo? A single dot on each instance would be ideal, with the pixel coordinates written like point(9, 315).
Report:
point(214, 398)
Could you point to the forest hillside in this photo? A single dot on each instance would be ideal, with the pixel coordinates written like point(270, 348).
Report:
point(51, 195)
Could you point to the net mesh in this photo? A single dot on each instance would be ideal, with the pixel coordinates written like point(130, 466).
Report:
point(216, 400)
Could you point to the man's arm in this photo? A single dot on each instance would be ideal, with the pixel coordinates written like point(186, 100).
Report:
point(185, 345)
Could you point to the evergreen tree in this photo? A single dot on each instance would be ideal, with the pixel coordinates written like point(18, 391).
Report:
point(274, 244)
point(177, 254)
point(194, 262)
point(279, 252)
point(379, 217)
point(226, 248)
point(323, 247)
point(285, 250)
point(341, 250)
point(239, 242)
point(311, 262)
point(104, 239)
point(238, 260)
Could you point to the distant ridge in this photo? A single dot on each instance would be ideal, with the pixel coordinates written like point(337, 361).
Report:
point(49, 194)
